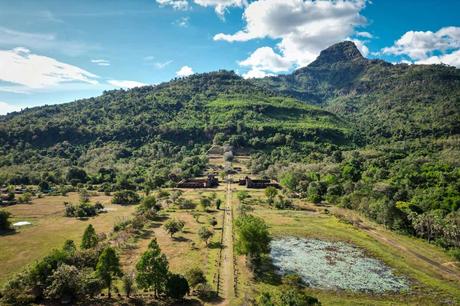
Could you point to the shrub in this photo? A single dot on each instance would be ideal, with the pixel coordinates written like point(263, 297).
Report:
point(195, 276)
point(176, 286)
point(187, 204)
point(205, 234)
point(126, 197)
point(173, 226)
point(205, 291)
point(66, 283)
point(5, 223)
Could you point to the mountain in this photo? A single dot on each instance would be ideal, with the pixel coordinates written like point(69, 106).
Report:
point(139, 128)
point(341, 100)
point(384, 101)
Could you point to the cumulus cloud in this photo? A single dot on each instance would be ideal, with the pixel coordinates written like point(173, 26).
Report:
point(421, 45)
point(125, 83)
point(100, 62)
point(184, 71)
point(6, 108)
point(264, 59)
point(29, 71)
point(175, 4)
point(303, 27)
point(220, 6)
point(452, 59)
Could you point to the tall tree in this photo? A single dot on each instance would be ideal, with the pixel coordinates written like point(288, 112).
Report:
point(152, 269)
point(253, 237)
point(108, 267)
point(89, 239)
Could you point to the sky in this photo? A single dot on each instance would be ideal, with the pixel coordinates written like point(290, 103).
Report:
point(55, 51)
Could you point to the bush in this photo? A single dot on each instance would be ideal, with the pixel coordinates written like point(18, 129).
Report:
point(205, 291)
point(177, 286)
point(173, 226)
point(126, 197)
point(66, 284)
point(5, 223)
point(195, 276)
point(187, 204)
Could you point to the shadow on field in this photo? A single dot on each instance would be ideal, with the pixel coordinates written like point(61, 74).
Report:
point(265, 272)
point(181, 239)
point(215, 245)
point(8, 232)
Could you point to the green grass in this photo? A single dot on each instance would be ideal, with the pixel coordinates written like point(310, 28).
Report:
point(49, 230)
point(428, 285)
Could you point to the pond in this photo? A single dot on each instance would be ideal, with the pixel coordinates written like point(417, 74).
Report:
point(334, 265)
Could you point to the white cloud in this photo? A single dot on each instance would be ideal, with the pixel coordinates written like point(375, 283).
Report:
point(264, 59)
point(175, 4)
point(125, 83)
point(184, 71)
point(42, 41)
point(28, 71)
point(161, 65)
point(182, 22)
point(100, 62)
point(364, 34)
point(303, 27)
point(255, 73)
point(220, 6)
point(6, 108)
point(452, 59)
point(420, 45)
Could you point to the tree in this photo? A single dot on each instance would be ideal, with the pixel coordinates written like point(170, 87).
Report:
point(5, 223)
point(108, 267)
point(195, 276)
point(89, 239)
point(253, 236)
point(69, 247)
point(205, 203)
point(128, 283)
point(213, 221)
point(152, 269)
point(126, 197)
point(204, 233)
point(270, 193)
point(173, 226)
point(177, 286)
point(242, 195)
point(44, 186)
point(218, 203)
point(76, 175)
point(66, 283)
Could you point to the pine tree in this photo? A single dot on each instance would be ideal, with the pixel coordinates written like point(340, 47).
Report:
point(152, 269)
point(89, 239)
point(108, 267)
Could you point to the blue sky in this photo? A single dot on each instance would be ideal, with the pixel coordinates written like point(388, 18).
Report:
point(58, 51)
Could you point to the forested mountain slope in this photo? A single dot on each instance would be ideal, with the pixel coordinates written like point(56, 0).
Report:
point(172, 120)
point(386, 102)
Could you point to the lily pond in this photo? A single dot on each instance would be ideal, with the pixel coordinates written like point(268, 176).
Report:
point(334, 265)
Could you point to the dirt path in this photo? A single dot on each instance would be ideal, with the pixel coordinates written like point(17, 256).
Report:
point(440, 267)
point(226, 289)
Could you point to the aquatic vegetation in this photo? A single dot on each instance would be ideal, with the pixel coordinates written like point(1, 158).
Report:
point(334, 265)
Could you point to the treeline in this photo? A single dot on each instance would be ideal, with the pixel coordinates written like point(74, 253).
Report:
point(408, 188)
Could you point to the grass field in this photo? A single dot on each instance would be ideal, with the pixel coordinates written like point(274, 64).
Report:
point(185, 250)
point(49, 229)
point(429, 284)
